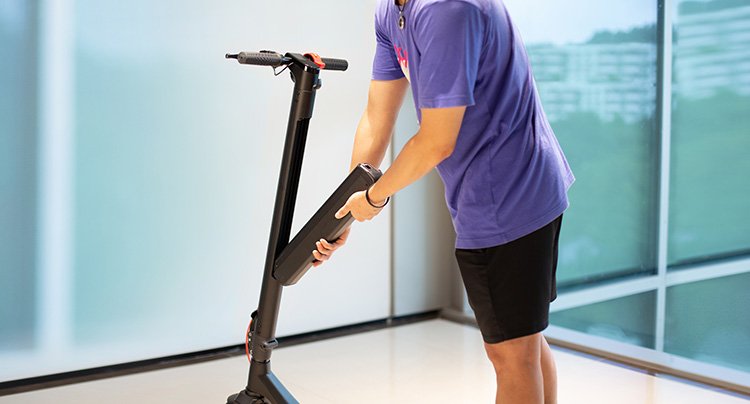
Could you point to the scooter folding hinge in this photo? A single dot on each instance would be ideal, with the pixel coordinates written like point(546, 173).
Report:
point(270, 344)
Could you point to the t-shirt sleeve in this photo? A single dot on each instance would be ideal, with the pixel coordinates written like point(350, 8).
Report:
point(385, 65)
point(449, 36)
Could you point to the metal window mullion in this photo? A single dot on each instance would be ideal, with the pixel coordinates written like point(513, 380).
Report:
point(660, 362)
point(55, 190)
point(598, 294)
point(665, 125)
point(710, 271)
point(392, 242)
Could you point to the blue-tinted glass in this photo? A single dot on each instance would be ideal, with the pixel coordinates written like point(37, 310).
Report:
point(710, 172)
point(597, 79)
point(18, 183)
point(163, 175)
point(709, 321)
point(629, 319)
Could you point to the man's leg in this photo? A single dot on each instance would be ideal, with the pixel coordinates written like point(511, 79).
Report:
point(549, 373)
point(518, 367)
point(509, 287)
point(519, 373)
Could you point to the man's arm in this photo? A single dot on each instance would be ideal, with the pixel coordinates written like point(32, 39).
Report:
point(370, 141)
point(433, 143)
point(376, 126)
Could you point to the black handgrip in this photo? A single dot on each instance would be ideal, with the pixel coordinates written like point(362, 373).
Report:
point(335, 64)
point(259, 58)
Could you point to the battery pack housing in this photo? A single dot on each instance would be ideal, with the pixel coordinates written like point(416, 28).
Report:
point(297, 258)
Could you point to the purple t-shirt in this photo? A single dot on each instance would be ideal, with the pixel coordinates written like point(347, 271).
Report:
point(507, 176)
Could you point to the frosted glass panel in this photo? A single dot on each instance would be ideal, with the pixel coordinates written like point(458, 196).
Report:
point(174, 154)
point(597, 80)
point(18, 182)
point(163, 178)
point(177, 156)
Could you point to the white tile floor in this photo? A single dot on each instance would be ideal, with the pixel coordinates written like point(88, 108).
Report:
point(428, 362)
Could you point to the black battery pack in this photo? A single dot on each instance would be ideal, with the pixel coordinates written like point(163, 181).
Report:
point(297, 258)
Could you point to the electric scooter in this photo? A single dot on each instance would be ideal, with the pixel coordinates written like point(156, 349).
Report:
point(286, 262)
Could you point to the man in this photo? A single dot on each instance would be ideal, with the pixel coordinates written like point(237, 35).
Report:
point(505, 176)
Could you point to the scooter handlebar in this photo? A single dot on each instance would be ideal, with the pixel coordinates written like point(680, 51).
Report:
point(259, 58)
point(335, 64)
point(269, 58)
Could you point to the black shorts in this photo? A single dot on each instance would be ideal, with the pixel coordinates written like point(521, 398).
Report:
point(510, 286)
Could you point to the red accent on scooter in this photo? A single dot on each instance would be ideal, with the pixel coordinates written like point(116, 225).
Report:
point(316, 59)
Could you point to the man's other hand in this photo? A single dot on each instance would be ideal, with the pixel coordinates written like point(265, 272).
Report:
point(324, 249)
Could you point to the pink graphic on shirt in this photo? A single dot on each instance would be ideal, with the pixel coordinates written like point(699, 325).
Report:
point(403, 60)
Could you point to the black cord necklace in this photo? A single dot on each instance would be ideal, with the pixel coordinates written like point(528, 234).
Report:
point(401, 18)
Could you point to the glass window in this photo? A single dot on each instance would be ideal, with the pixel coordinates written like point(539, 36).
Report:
point(18, 161)
point(597, 79)
point(709, 321)
point(629, 319)
point(710, 170)
point(161, 175)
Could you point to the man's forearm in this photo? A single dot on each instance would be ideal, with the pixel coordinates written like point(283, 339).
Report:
point(435, 141)
point(376, 126)
point(370, 142)
point(417, 158)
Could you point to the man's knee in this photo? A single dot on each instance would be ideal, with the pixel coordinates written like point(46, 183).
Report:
point(523, 352)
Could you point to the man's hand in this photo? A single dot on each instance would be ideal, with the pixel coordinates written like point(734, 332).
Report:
point(325, 249)
point(360, 209)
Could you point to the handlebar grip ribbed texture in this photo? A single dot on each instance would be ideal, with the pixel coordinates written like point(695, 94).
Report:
point(335, 64)
point(260, 58)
